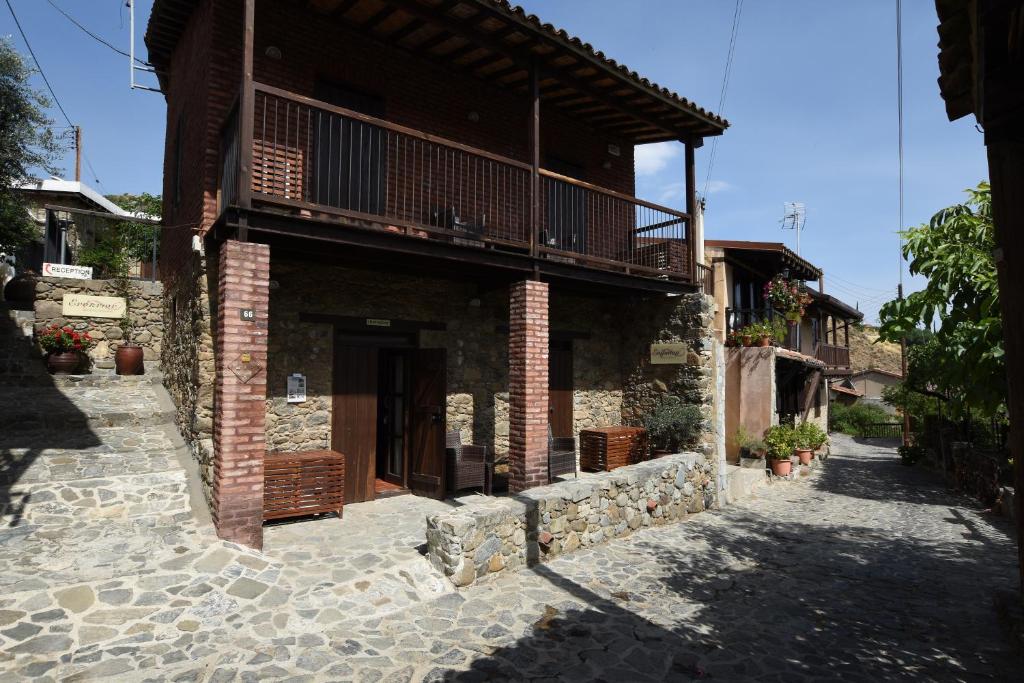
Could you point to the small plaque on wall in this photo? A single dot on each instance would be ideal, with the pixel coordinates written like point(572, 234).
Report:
point(88, 306)
point(668, 354)
point(296, 388)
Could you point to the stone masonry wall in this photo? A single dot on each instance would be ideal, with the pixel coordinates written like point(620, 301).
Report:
point(688, 319)
point(490, 535)
point(146, 312)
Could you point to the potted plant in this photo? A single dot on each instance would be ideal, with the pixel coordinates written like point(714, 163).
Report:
point(802, 444)
point(747, 334)
point(814, 435)
point(750, 446)
point(64, 348)
point(128, 358)
point(731, 340)
point(764, 333)
point(778, 440)
point(671, 425)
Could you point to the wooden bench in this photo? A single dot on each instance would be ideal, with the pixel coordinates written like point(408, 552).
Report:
point(306, 483)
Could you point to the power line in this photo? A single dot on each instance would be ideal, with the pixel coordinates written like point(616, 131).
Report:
point(737, 12)
point(93, 35)
point(38, 65)
point(49, 87)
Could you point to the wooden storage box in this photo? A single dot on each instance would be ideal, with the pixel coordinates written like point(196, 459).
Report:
point(307, 483)
point(605, 448)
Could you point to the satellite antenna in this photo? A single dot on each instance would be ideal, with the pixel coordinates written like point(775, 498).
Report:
point(794, 215)
point(135, 64)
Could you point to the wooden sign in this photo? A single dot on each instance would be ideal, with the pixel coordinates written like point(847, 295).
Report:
point(668, 354)
point(87, 306)
point(378, 322)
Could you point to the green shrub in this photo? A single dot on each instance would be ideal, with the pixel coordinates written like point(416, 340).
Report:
point(673, 424)
point(779, 441)
point(852, 419)
point(910, 454)
point(810, 435)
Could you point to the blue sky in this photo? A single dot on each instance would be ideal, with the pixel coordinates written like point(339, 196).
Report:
point(811, 100)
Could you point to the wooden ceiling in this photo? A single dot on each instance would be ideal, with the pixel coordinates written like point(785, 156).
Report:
point(496, 42)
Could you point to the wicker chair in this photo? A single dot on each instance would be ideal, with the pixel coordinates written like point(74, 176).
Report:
point(561, 455)
point(468, 466)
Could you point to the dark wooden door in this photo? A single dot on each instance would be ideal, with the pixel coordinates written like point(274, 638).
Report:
point(427, 422)
point(566, 209)
point(560, 387)
point(392, 415)
point(350, 154)
point(354, 418)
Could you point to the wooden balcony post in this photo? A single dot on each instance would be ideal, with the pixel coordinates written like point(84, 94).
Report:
point(691, 207)
point(534, 158)
point(246, 109)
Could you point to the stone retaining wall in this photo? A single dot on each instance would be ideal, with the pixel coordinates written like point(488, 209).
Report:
point(146, 311)
point(495, 534)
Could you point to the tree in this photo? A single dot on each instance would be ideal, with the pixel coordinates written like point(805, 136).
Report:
point(123, 242)
point(26, 143)
point(963, 360)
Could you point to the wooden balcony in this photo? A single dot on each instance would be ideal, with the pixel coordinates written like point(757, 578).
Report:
point(833, 356)
point(318, 161)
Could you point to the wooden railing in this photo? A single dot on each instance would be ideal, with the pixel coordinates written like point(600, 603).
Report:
point(833, 356)
point(314, 156)
point(882, 430)
point(706, 279)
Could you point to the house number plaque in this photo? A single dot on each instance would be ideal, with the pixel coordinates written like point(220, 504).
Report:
point(247, 314)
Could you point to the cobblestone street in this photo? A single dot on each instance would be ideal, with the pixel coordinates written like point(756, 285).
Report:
point(866, 571)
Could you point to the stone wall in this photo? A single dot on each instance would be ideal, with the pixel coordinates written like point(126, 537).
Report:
point(491, 535)
point(146, 312)
point(188, 359)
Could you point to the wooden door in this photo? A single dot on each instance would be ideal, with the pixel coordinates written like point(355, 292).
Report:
point(350, 154)
point(427, 422)
point(354, 418)
point(560, 387)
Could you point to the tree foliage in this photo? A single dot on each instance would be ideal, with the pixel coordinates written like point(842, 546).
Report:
point(963, 360)
point(124, 243)
point(26, 143)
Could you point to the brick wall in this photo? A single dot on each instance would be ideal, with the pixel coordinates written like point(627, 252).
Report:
point(528, 385)
point(240, 417)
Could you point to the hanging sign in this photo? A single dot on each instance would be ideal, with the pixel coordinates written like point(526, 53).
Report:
point(668, 354)
point(86, 306)
point(378, 322)
point(296, 388)
point(63, 270)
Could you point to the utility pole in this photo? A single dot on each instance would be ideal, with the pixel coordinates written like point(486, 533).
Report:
point(78, 154)
point(903, 367)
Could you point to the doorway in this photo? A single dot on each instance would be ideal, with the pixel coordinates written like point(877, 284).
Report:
point(388, 415)
point(560, 387)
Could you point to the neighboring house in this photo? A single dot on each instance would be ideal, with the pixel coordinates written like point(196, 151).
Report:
point(843, 391)
point(870, 383)
point(61, 234)
point(764, 386)
point(424, 208)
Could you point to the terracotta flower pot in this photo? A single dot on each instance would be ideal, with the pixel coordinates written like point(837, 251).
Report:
point(764, 341)
point(128, 360)
point(64, 363)
point(805, 455)
point(746, 339)
point(782, 468)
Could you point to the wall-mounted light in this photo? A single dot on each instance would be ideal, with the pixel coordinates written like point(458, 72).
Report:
point(273, 52)
point(474, 116)
point(614, 150)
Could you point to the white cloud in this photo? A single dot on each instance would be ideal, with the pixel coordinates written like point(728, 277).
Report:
point(673, 192)
point(653, 159)
point(718, 186)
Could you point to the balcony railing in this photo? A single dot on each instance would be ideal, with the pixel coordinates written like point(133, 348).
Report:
point(833, 356)
point(312, 156)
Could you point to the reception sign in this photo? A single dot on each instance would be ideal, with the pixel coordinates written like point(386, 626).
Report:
point(64, 270)
point(668, 354)
point(86, 306)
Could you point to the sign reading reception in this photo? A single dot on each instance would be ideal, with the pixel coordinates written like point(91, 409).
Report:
point(85, 306)
point(668, 354)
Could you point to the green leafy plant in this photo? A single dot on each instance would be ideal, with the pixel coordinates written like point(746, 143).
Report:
point(909, 455)
point(810, 435)
point(672, 424)
point(853, 419)
point(779, 441)
point(748, 442)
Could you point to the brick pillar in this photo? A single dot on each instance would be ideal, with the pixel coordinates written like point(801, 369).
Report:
point(528, 385)
point(240, 412)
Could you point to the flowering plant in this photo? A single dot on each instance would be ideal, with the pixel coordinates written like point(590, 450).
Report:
point(57, 339)
point(788, 296)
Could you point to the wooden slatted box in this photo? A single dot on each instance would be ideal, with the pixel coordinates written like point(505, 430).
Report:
point(306, 483)
point(606, 448)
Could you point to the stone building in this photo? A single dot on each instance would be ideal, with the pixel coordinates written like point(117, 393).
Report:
point(412, 217)
point(788, 380)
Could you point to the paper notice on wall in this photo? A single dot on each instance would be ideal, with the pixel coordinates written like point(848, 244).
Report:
point(296, 388)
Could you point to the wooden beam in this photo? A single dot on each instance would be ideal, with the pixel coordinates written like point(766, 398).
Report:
point(246, 111)
point(691, 207)
point(407, 30)
point(534, 159)
point(379, 17)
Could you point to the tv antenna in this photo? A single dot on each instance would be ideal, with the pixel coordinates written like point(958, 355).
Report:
point(135, 64)
point(794, 215)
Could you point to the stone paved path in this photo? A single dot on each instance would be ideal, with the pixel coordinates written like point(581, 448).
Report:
point(864, 571)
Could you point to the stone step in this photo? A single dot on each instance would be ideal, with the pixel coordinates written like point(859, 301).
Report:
point(85, 453)
point(75, 406)
point(743, 481)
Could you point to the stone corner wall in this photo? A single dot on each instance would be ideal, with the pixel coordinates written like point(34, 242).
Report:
point(146, 311)
point(491, 535)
